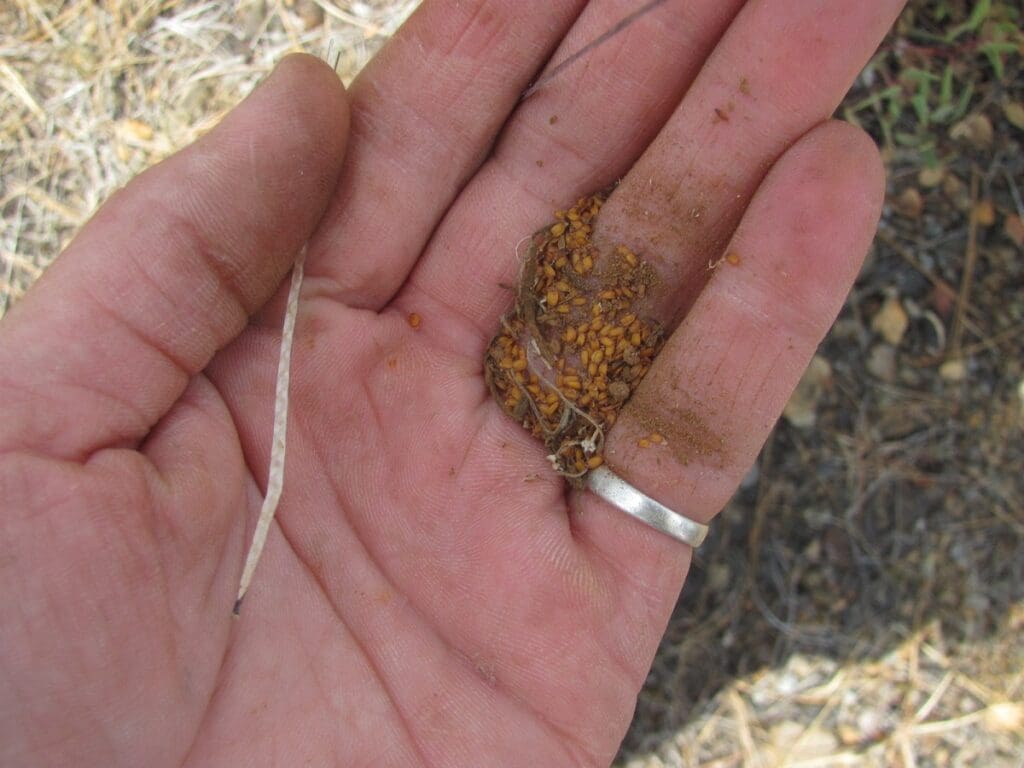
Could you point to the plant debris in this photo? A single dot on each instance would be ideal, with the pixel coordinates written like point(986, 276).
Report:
point(575, 345)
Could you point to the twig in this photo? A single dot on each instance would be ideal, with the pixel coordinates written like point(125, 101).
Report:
point(967, 281)
point(275, 477)
point(600, 40)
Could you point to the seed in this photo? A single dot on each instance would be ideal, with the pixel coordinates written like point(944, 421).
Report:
point(594, 462)
point(592, 369)
point(607, 294)
point(507, 362)
point(563, 309)
point(415, 320)
point(602, 370)
point(588, 263)
point(643, 442)
point(572, 382)
point(597, 323)
point(597, 357)
point(519, 365)
point(627, 320)
point(579, 301)
point(635, 340)
point(552, 298)
point(656, 438)
point(549, 271)
point(585, 357)
point(558, 229)
point(570, 334)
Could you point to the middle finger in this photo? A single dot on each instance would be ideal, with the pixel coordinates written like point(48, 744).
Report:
point(579, 132)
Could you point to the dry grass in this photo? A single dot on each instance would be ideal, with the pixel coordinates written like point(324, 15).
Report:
point(816, 635)
point(92, 93)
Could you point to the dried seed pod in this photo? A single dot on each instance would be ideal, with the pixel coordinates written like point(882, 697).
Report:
point(578, 330)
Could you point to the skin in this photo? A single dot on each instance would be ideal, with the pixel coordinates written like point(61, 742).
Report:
point(430, 593)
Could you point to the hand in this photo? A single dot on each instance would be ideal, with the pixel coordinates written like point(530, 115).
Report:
point(431, 594)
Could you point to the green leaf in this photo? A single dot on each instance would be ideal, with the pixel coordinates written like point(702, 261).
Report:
point(946, 87)
point(994, 53)
point(877, 97)
point(978, 15)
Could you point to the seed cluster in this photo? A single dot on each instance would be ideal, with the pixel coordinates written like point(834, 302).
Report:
point(575, 346)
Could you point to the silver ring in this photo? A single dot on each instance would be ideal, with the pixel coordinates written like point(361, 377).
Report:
point(621, 495)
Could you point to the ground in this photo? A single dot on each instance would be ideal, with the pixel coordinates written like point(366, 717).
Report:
point(860, 601)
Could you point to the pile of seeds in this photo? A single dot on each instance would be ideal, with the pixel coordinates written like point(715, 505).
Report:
point(575, 346)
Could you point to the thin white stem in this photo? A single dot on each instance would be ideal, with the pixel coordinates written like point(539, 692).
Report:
point(275, 477)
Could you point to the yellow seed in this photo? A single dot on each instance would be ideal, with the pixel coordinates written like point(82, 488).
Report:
point(627, 320)
point(635, 340)
point(594, 462)
point(643, 442)
point(617, 332)
point(607, 294)
point(563, 308)
point(415, 320)
point(597, 323)
point(609, 346)
point(572, 382)
point(585, 357)
point(552, 298)
point(579, 301)
point(656, 438)
point(588, 263)
point(519, 365)
point(549, 271)
point(570, 335)
point(592, 369)
point(508, 362)
point(558, 229)
point(596, 310)
point(598, 356)
point(562, 286)
point(602, 370)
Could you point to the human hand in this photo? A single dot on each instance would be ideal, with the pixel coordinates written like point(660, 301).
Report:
point(432, 594)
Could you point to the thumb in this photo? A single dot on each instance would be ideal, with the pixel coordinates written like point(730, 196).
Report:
point(168, 271)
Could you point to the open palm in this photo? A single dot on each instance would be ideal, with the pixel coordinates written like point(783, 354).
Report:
point(431, 593)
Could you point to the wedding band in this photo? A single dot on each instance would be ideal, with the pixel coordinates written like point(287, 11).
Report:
point(621, 495)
